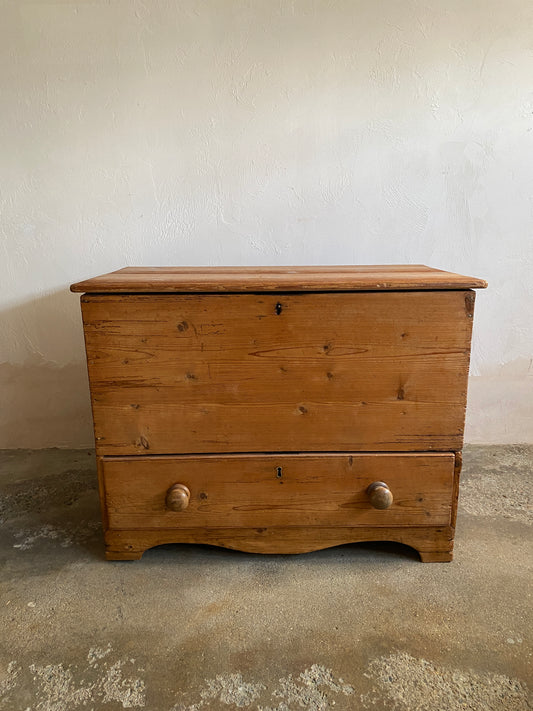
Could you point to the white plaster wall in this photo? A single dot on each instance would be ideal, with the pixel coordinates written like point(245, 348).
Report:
point(212, 132)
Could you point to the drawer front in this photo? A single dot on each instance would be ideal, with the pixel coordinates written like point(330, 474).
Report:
point(273, 490)
point(378, 371)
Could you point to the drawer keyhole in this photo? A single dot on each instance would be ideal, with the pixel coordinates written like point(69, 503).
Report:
point(279, 472)
point(279, 308)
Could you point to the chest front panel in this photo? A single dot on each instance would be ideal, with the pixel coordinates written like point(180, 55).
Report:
point(194, 373)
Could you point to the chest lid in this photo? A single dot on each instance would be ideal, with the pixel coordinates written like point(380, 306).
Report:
point(387, 277)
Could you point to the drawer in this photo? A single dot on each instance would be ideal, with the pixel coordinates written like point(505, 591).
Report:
point(258, 491)
point(369, 371)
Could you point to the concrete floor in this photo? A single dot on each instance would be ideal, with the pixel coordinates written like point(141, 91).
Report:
point(363, 626)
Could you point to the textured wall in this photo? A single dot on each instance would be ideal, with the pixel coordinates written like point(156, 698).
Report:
point(261, 132)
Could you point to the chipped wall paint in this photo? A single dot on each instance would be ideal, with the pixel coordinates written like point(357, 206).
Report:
point(253, 132)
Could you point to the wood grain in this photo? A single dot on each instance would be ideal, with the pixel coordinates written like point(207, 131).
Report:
point(257, 279)
point(278, 490)
point(434, 544)
point(367, 371)
point(456, 480)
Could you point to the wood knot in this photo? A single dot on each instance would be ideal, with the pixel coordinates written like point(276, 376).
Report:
point(182, 326)
point(470, 298)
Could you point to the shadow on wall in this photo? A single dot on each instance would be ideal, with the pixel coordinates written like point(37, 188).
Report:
point(43, 382)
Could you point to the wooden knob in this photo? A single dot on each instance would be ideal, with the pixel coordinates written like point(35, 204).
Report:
point(380, 495)
point(178, 497)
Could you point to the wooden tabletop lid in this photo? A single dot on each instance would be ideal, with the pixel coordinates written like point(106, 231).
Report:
point(387, 277)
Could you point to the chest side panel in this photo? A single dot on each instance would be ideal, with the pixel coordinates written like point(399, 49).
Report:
point(278, 372)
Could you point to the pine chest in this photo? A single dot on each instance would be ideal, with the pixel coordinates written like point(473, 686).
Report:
point(278, 410)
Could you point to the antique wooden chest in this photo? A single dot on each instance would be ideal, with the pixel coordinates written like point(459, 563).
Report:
point(278, 410)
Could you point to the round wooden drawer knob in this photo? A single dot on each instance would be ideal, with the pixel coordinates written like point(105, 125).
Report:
point(380, 495)
point(178, 497)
